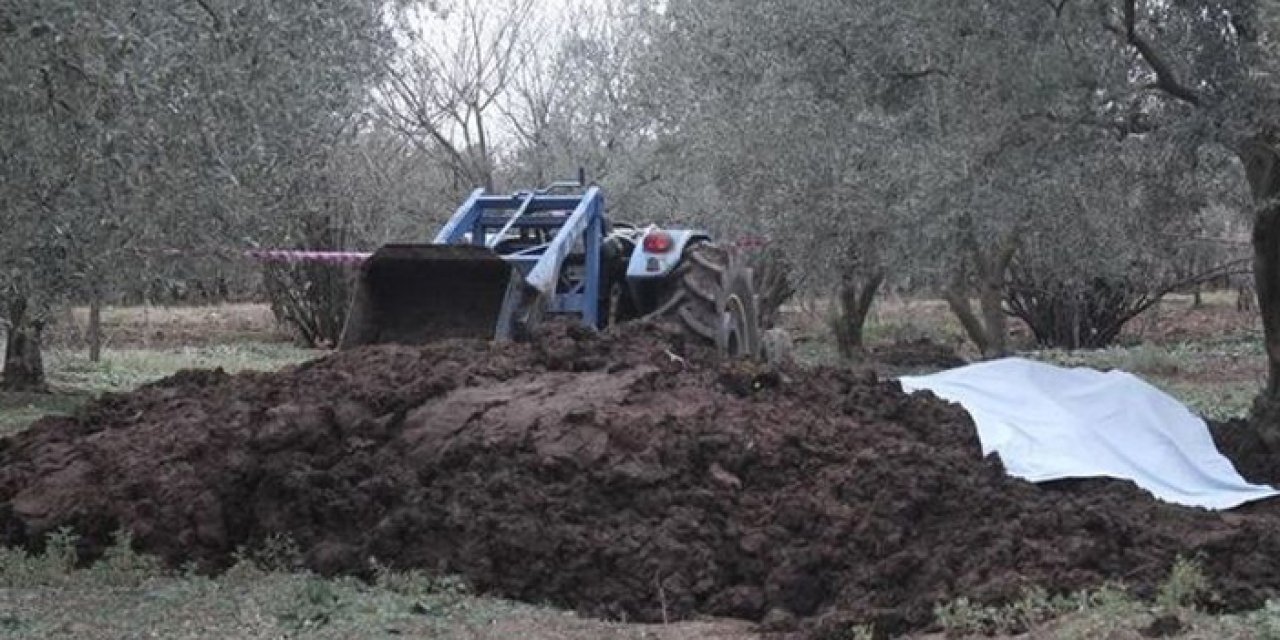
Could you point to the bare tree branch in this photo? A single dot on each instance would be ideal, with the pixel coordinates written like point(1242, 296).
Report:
point(217, 17)
point(1166, 78)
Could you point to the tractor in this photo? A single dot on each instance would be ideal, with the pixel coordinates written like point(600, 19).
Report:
point(504, 263)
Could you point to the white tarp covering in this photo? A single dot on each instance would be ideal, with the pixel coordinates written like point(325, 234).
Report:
point(1050, 423)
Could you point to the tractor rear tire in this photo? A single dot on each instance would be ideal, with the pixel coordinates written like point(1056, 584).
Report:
point(713, 299)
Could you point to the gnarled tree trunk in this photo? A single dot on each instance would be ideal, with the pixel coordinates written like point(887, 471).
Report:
point(1262, 166)
point(987, 326)
point(855, 298)
point(23, 360)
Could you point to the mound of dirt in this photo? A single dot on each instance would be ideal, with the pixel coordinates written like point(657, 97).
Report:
point(1237, 440)
point(618, 475)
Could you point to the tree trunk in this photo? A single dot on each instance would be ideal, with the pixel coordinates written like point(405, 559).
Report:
point(1266, 256)
point(23, 361)
point(991, 301)
point(983, 272)
point(958, 301)
point(1262, 166)
point(986, 326)
point(1246, 301)
point(851, 319)
point(95, 328)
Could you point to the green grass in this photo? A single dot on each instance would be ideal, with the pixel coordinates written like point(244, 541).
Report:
point(1214, 400)
point(127, 595)
point(945, 330)
point(17, 410)
point(126, 369)
point(45, 596)
point(1217, 378)
point(1110, 611)
point(1188, 357)
point(74, 379)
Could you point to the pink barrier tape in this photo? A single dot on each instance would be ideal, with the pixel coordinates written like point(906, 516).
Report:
point(295, 256)
point(355, 258)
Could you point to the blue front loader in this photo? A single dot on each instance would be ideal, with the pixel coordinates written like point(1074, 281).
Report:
point(500, 264)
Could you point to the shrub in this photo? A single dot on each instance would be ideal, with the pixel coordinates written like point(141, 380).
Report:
point(1186, 585)
point(310, 298)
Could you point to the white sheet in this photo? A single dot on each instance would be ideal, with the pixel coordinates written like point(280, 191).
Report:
point(1050, 423)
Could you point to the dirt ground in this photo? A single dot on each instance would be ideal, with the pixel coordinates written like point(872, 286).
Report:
point(161, 327)
point(624, 477)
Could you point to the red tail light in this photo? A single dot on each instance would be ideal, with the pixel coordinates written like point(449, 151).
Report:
point(658, 242)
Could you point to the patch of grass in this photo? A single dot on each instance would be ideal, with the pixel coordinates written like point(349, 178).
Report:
point(17, 410)
point(46, 595)
point(909, 321)
point(75, 380)
point(1188, 357)
point(1263, 624)
point(1147, 359)
point(312, 604)
point(126, 369)
point(439, 596)
point(1218, 379)
point(858, 632)
point(911, 330)
point(1185, 587)
point(120, 565)
point(54, 566)
point(816, 351)
point(862, 632)
point(961, 617)
point(1215, 401)
point(415, 582)
point(126, 595)
point(1157, 360)
point(278, 552)
point(129, 596)
point(1111, 612)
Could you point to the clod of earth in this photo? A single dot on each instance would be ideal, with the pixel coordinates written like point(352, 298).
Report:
point(602, 474)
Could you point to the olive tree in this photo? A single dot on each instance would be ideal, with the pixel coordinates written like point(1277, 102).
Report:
point(788, 113)
point(1104, 254)
point(78, 89)
point(1204, 73)
point(129, 129)
point(926, 139)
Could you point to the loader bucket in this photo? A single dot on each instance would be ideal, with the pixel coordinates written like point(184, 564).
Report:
point(420, 293)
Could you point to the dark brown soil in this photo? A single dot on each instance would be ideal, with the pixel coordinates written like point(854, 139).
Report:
point(620, 476)
point(1237, 440)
